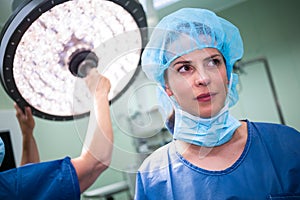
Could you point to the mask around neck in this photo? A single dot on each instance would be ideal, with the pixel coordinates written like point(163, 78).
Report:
point(2, 151)
point(209, 132)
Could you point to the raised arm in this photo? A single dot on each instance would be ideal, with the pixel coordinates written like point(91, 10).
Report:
point(30, 153)
point(98, 145)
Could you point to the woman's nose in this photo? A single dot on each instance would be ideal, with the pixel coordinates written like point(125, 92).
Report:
point(202, 78)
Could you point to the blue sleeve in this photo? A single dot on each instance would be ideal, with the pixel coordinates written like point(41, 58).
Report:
point(47, 180)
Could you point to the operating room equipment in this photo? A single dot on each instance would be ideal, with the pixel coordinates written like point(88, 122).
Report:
point(42, 38)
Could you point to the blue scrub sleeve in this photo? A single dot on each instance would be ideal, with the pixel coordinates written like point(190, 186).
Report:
point(47, 180)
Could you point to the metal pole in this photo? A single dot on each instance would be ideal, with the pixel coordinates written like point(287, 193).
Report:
point(267, 67)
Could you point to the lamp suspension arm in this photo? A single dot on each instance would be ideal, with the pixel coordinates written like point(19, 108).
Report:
point(265, 62)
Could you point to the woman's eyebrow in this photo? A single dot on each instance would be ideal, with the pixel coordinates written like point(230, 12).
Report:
point(212, 56)
point(181, 62)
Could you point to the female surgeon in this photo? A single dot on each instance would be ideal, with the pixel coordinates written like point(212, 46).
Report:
point(65, 178)
point(190, 55)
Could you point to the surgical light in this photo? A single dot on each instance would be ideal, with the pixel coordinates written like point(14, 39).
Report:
point(47, 45)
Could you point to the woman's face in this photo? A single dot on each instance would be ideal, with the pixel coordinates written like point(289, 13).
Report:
point(198, 81)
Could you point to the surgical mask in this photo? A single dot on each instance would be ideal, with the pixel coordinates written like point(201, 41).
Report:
point(208, 132)
point(2, 151)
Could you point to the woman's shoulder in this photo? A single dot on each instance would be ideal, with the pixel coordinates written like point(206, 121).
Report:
point(158, 159)
point(272, 128)
point(274, 134)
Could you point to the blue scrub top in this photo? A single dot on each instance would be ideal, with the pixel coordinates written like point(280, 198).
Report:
point(43, 181)
point(269, 168)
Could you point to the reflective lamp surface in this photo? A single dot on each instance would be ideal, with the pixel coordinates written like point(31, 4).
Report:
point(40, 39)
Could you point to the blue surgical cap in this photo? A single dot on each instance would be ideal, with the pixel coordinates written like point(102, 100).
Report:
point(201, 29)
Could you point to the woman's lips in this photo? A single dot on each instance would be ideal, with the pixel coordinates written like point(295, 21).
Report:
point(205, 97)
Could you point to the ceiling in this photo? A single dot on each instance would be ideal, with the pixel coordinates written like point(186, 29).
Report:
point(215, 5)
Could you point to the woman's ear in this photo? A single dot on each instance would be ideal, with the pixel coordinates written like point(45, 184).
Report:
point(168, 90)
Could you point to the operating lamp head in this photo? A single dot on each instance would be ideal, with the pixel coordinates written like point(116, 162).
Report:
point(48, 46)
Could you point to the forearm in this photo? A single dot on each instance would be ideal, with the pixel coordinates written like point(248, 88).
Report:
point(98, 144)
point(30, 152)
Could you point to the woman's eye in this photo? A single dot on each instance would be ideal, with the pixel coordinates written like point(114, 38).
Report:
point(214, 62)
point(184, 68)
